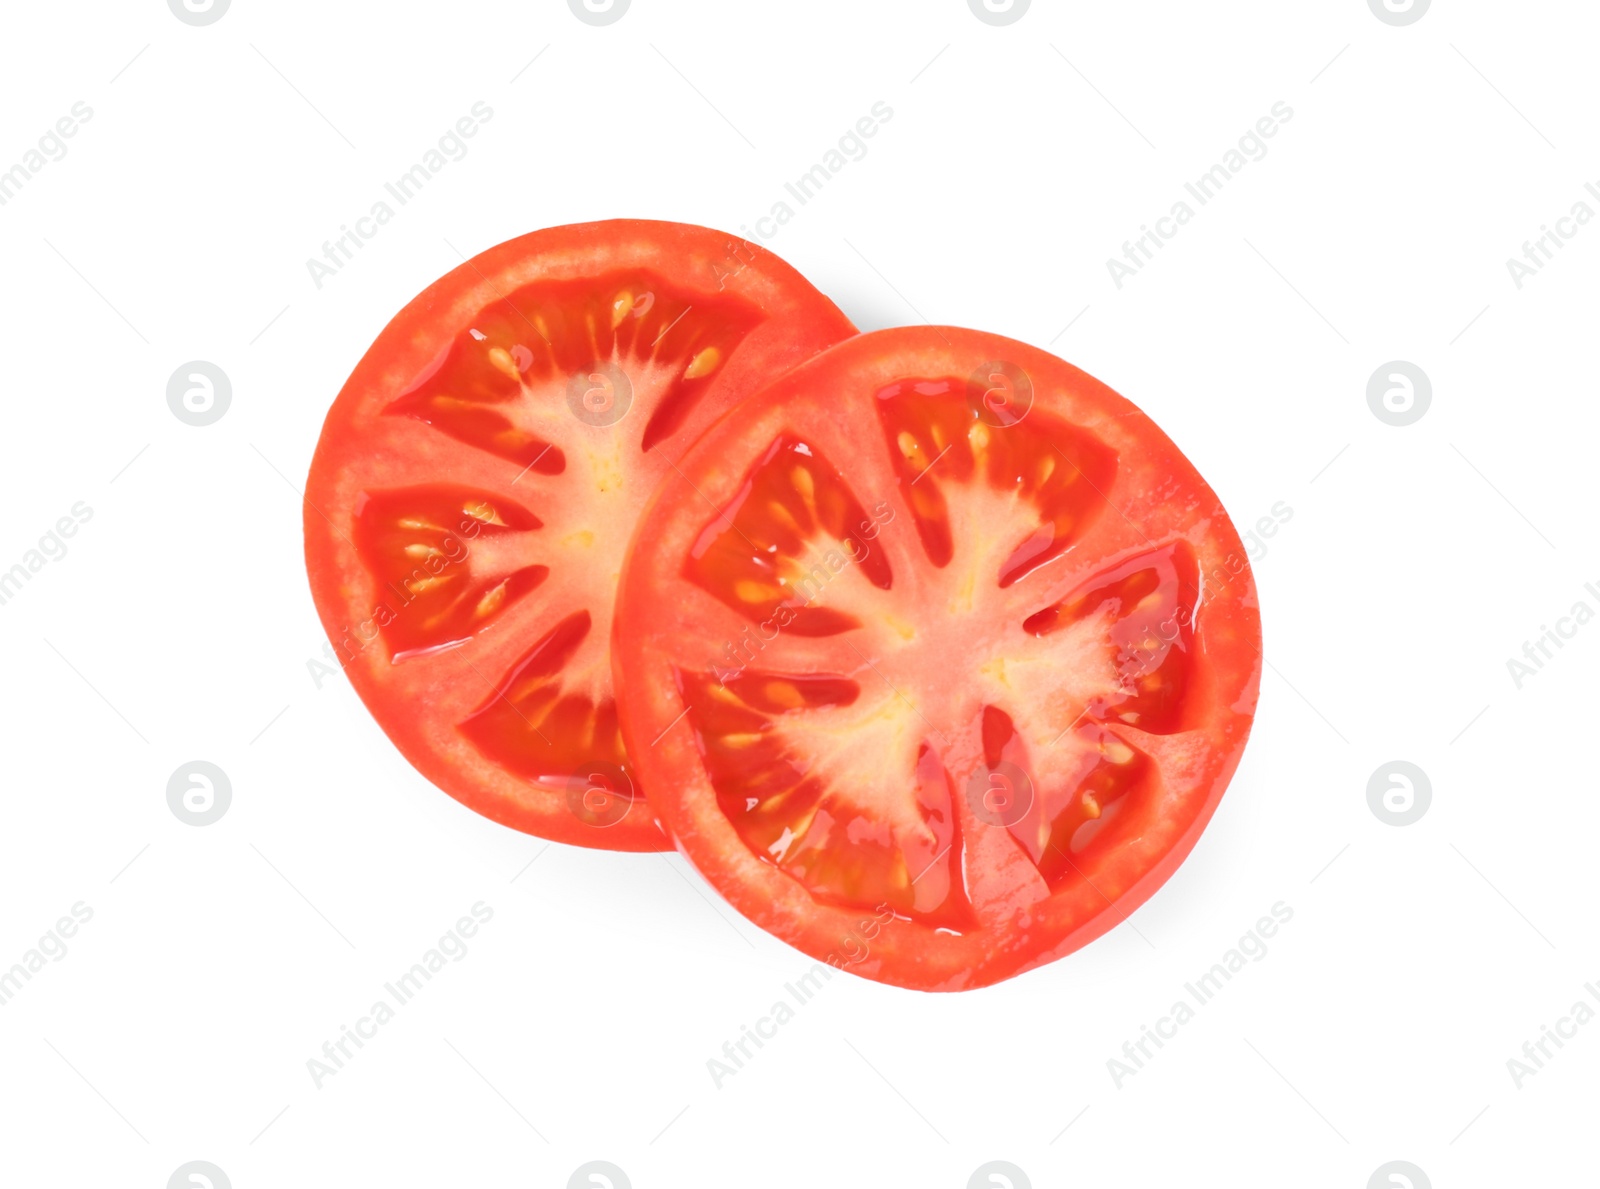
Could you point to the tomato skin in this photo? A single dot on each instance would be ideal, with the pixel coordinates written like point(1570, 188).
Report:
point(1161, 498)
point(421, 704)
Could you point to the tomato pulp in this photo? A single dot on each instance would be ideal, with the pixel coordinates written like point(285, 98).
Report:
point(481, 473)
point(936, 656)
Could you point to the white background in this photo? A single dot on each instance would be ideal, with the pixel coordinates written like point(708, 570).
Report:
point(1417, 561)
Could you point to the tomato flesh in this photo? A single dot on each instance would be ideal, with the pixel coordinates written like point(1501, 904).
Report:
point(572, 336)
point(1058, 469)
point(981, 666)
point(399, 532)
point(479, 479)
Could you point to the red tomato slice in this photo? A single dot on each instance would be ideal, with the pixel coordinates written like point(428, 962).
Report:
point(480, 474)
point(939, 656)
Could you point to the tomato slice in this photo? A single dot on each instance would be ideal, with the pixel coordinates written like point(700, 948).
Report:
point(939, 656)
point(479, 477)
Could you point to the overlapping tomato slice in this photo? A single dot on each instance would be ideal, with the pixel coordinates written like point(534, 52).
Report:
point(481, 474)
point(938, 657)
